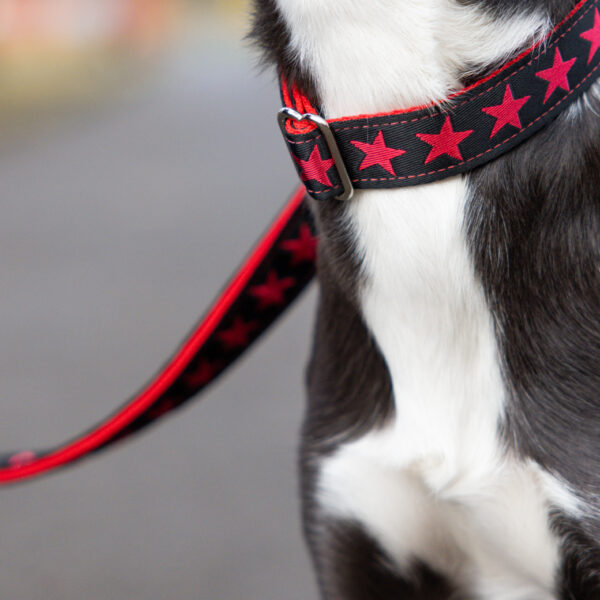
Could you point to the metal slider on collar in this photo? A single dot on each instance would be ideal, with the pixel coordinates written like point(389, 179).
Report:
point(323, 126)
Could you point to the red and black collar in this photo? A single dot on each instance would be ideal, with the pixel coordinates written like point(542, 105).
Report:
point(467, 130)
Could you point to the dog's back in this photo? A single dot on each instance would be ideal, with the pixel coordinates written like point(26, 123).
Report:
point(451, 443)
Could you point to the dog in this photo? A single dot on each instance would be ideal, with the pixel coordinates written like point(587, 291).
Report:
point(451, 444)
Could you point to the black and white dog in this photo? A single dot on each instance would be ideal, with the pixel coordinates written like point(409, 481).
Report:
point(451, 447)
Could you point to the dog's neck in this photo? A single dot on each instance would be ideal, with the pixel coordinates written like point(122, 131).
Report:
point(367, 57)
point(483, 310)
point(412, 272)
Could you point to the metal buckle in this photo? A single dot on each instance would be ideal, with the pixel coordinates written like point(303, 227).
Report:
point(289, 113)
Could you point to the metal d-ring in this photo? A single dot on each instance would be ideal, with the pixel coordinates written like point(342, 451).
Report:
point(289, 113)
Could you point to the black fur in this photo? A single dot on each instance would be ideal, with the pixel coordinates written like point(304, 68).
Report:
point(270, 34)
point(579, 577)
point(348, 382)
point(352, 566)
point(533, 226)
point(349, 392)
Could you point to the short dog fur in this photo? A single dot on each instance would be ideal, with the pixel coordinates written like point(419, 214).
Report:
point(451, 446)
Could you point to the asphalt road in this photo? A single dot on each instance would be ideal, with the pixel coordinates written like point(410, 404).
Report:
point(118, 225)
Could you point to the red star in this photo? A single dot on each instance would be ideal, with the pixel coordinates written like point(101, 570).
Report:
point(162, 409)
point(272, 292)
point(444, 142)
point(378, 153)
point(238, 335)
point(303, 248)
point(25, 457)
point(315, 168)
point(593, 35)
point(556, 75)
point(203, 374)
point(506, 113)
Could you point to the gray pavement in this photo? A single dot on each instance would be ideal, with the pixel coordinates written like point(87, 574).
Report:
point(118, 225)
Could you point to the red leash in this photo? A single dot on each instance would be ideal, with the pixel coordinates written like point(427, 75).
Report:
point(272, 276)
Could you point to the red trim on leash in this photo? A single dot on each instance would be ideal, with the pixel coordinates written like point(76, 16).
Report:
point(25, 464)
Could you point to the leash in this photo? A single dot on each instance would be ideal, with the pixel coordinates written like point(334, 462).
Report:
point(333, 158)
point(275, 272)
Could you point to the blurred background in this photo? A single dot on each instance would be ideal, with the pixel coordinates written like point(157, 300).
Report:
point(139, 161)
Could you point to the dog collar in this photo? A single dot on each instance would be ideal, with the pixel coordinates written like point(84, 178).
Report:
point(470, 128)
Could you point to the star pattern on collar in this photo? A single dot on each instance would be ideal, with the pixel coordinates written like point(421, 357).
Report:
point(507, 112)
point(378, 153)
point(316, 167)
point(556, 75)
point(444, 142)
point(593, 35)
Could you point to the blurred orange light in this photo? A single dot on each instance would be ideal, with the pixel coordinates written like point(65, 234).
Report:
point(82, 22)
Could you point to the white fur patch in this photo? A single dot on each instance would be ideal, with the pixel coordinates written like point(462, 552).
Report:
point(378, 55)
point(494, 540)
point(436, 483)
